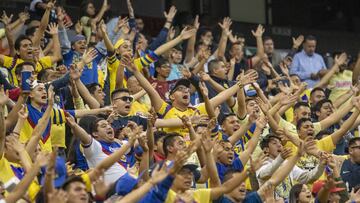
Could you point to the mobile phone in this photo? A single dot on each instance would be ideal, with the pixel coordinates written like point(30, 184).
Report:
point(26, 81)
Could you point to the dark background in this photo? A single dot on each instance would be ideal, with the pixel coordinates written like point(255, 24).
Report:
point(336, 23)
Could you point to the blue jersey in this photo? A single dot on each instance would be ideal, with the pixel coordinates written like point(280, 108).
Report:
point(90, 71)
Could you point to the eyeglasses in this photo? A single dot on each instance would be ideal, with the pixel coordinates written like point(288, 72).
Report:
point(182, 89)
point(125, 99)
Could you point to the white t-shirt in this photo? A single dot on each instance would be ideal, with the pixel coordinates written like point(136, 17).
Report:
point(94, 155)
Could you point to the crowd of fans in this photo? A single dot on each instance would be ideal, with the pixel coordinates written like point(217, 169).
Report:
point(109, 114)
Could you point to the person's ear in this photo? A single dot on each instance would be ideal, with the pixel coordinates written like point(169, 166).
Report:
point(95, 135)
point(317, 113)
point(171, 97)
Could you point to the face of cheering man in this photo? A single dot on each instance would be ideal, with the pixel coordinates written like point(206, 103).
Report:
point(121, 101)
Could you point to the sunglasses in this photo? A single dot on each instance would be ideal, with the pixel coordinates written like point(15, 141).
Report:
point(125, 99)
point(355, 147)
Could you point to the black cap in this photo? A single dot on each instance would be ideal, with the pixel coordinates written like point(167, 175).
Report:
point(183, 82)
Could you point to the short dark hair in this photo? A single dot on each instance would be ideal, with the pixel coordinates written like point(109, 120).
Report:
point(212, 65)
point(169, 140)
point(310, 38)
point(158, 135)
point(70, 180)
point(301, 121)
point(94, 125)
point(295, 75)
point(353, 140)
point(20, 67)
point(30, 31)
point(43, 74)
point(320, 103)
point(266, 140)
point(19, 40)
point(118, 91)
point(300, 104)
point(316, 89)
point(265, 38)
point(92, 87)
point(223, 116)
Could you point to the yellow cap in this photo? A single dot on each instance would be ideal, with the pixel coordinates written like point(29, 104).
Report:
point(119, 43)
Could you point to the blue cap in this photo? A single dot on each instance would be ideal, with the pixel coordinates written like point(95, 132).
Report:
point(125, 184)
point(78, 38)
point(60, 173)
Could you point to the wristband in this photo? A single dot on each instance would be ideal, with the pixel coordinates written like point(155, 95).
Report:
point(169, 21)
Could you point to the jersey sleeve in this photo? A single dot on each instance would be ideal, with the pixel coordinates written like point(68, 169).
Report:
point(146, 60)
point(165, 107)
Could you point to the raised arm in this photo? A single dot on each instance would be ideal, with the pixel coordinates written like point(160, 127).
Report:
point(338, 134)
point(337, 115)
point(53, 31)
point(84, 92)
point(205, 94)
point(158, 175)
point(108, 44)
point(113, 158)
point(78, 131)
point(43, 24)
point(225, 26)
point(185, 34)
point(339, 61)
point(12, 117)
point(3, 101)
point(6, 20)
point(259, 45)
point(242, 130)
point(101, 13)
point(241, 111)
point(282, 172)
point(190, 48)
point(207, 145)
point(251, 145)
point(25, 182)
point(41, 126)
point(155, 98)
point(205, 77)
point(224, 95)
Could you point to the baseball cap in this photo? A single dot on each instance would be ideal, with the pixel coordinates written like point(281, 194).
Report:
point(183, 82)
point(60, 172)
point(77, 38)
point(319, 184)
